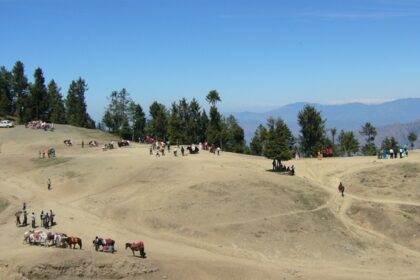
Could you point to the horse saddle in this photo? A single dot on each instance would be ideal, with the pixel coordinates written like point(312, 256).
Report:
point(137, 245)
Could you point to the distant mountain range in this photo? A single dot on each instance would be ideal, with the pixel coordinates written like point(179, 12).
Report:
point(394, 118)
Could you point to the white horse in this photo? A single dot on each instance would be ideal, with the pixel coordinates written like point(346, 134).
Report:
point(38, 238)
point(60, 240)
point(27, 234)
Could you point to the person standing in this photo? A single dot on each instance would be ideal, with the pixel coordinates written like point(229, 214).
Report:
point(46, 220)
point(41, 217)
point(25, 217)
point(18, 213)
point(33, 220)
point(51, 217)
point(341, 189)
point(49, 183)
point(83, 144)
point(182, 150)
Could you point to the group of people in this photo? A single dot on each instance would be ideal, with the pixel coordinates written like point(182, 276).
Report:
point(46, 218)
point(157, 148)
point(393, 153)
point(50, 153)
point(279, 167)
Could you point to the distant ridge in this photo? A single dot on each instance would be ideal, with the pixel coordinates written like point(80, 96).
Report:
point(350, 116)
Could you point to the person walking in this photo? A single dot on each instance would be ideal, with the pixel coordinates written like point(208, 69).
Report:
point(341, 189)
point(83, 144)
point(182, 150)
point(33, 220)
point(49, 183)
point(18, 213)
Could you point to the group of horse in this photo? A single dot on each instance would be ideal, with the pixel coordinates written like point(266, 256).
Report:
point(62, 240)
point(40, 125)
point(59, 240)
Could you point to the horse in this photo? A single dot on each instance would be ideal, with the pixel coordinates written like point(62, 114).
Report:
point(51, 238)
point(68, 142)
point(59, 239)
point(39, 237)
point(93, 143)
point(73, 240)
point(26, 236)
point(193, 150)
point(138, 246)
point(98, 241)
point(123, 143)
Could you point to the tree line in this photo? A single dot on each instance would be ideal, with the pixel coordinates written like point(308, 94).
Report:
point(275, 140)
point(184, 122)
point(26, 101)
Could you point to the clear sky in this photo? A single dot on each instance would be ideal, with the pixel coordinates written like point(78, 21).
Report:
point(257, 54)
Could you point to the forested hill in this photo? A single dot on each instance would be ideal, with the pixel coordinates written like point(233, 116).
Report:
point(349, 116)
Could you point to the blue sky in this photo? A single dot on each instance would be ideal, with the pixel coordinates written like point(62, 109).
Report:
point(257, 54)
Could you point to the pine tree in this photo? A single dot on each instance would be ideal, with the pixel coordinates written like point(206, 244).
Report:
point(193, 122)
point(176, 126)
point(157, 125)
point(348, 143)
point(20, 88)
point(202, 127)
point(6, 96)
point(369, 131)
point(312, 130)
point(116, 115)
point(259, 140)
point(412, 137)
point(234, 139)
point(57, 109)
point(38, 97)
point(137, 119)
point(76, 105)
point(214, 129)
point(279, 143)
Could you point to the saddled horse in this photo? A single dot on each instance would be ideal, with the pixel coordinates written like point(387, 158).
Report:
point(193, 150)
point(123, 143)
point(60, 240)
point(57, 239)
point(98, 241)
point(38, 238)
point(73, 240)
point(27, 234)
point(50, 238)
point(137, 246)
point(93, 143)
point(68, 142)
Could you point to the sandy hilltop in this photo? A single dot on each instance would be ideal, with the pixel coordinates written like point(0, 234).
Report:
point(205, 216)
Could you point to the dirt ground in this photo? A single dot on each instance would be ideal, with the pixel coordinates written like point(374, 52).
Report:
point(205, 216)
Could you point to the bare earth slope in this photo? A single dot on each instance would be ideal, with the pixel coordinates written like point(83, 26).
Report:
point(205, 216)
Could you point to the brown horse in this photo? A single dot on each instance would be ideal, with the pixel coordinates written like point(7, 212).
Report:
point(138, 246)
point(73, 240)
